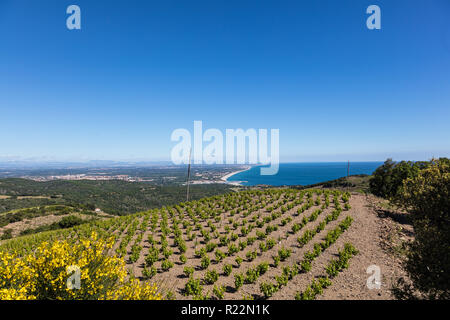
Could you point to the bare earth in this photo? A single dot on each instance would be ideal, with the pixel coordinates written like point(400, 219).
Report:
point(367, 234)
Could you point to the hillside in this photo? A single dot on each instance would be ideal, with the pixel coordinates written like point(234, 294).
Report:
point(113, 196)
point(271, 243)
point(354, 183)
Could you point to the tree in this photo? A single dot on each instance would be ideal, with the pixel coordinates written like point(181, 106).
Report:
point(388, 179)
point(427, 198)
point(380, 183)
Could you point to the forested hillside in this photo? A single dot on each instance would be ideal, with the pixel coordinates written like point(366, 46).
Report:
point(113, 196)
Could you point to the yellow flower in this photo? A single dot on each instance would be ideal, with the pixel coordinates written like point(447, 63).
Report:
point(42, 274)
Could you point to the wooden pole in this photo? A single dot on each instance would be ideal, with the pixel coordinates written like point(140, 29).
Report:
point(189, 175)
point(348, 174)
point(348, 169)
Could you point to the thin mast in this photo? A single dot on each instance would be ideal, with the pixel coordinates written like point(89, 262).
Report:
point(189, 175)
point(348, 169)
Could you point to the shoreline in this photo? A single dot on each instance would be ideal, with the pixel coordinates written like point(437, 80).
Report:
point(229, 175)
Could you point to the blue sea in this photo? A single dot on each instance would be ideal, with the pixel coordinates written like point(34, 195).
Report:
point(304, 173)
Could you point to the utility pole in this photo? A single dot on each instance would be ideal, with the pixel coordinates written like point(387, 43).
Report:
point(348, 169)
point(348, 174)
point(189, 175)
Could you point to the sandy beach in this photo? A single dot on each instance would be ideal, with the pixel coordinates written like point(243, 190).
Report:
point(225, 177)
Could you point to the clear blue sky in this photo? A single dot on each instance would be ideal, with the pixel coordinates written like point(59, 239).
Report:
point(140, 69)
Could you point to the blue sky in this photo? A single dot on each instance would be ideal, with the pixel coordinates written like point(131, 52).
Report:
point(137, 70)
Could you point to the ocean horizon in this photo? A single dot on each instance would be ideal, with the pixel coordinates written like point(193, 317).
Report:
point(303, 173)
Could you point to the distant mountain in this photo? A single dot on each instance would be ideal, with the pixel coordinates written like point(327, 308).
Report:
point(32, 164)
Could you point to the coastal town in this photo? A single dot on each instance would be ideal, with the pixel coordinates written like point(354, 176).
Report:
point(198, 175)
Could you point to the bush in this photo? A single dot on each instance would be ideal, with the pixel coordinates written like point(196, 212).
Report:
point(210, 246)
point(427, 199)
point(270, 243)
point(7, 234)
point(227, 269)
point(238, 280)
point(268, 289)
point(188, 271)
point(387, 179)
point(149, 272)
point(282, 280)
point(152, 257)
point(276, 261)
point(193, 287)
point(251, 275)
point(284, 253)
point(42, 274)
point(232, 249)
point(219, 255)
point(263, 267)
point(70, 221)
point(211, 276)
point(166, 265)
point(205, 262)
point(167, 253)
point(251, 255)
point(305, 266)
point(315, 288)
point(219, 291)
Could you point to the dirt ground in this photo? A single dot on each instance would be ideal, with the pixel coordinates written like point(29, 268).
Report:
point(368, 234)
point(372, 233)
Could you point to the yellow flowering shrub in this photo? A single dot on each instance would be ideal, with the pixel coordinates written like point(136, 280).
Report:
point(45, 273)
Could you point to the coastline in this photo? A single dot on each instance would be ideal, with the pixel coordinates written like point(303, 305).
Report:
point(229, 175)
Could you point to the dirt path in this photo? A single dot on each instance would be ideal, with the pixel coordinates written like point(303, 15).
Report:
point(368, 234)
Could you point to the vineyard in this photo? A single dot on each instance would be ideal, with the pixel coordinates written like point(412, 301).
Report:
point(255, 244)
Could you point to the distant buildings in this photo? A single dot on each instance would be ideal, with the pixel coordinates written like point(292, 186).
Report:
point(88, 177)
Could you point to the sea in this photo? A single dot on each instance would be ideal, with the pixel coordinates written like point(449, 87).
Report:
point(304, 173)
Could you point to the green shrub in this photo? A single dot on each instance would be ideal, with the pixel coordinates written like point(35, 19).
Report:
point(251, 275)
point(148, 273)
point(211, 276)
point(219, 291)
point(232, 249)
point(188, 271)
point(427, 199)
point(387, 179)
point(205, 262)
point(268, 289)
point(193, 287)
point(284, 253)
point(166, 265)
point(219, 255)
point(238, 280)
point(251, 255)
point(276, 261)
point(263, 267)
point(227, 269)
